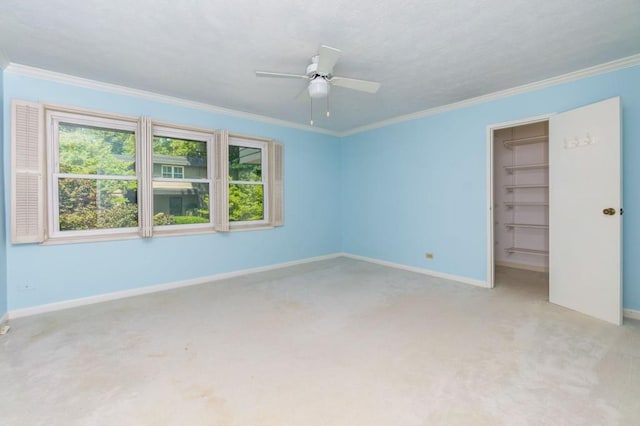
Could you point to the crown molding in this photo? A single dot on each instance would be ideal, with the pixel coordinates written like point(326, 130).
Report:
point(123, 90)
point(57, 77)
point(629, 61)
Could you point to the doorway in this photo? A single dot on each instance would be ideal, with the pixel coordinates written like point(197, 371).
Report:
point(520, 200)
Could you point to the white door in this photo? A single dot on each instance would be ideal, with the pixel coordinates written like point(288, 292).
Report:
point(585, 202)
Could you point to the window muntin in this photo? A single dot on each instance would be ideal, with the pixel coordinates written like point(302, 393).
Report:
point(181, 182)
point(93, 184)
point(247, 182)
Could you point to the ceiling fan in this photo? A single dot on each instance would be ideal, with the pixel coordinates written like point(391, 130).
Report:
point(320, 77)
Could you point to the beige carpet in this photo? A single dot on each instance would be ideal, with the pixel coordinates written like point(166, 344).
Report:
point(338, 342)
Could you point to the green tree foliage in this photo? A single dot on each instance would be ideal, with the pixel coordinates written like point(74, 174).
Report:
point(87, 203)
point(162, 218)
point(246, 201)
point(91, 150)
point(192, 150)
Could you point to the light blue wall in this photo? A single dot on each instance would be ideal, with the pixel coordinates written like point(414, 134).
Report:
point(3, 240)
point(63, 272)
point(420, 186)
point(398, 192)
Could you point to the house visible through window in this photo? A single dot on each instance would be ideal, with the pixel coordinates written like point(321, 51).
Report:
point(175, 206)
point(181, 177)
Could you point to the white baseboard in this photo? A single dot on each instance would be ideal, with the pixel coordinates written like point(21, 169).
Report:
point(4, 318)
point(67, 304)
point(458, 278)
point(522, 266)
point(632, 314)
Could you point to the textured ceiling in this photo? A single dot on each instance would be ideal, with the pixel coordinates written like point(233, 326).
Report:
point(425, 53)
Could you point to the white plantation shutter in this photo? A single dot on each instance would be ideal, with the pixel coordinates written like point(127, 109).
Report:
point(27, 172)
point(144, 150)
point(221, 182)
point(276, 184)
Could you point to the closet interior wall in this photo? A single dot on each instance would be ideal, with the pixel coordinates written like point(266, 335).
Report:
point(521, 196)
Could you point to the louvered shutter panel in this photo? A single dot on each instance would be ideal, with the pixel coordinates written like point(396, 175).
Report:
point(145, 183)
point(277, 184)
point(221, 182)
point(27, 173)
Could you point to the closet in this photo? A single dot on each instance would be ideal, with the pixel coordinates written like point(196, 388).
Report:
point(521, 196)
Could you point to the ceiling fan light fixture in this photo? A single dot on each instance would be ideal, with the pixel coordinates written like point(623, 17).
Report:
point(318, 88)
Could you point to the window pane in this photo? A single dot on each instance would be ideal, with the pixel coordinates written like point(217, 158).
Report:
point(245, 164)
point(245, 202)
point(188, 154)
point(180, 203)
point(96, 151)
point(97, 204)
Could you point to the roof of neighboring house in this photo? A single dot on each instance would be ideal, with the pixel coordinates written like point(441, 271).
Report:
point(174, 188)
point(178, 161)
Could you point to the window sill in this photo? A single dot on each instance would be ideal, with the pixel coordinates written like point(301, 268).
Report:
point(89, 239)
point(124, 236)
point(249, 227)
point(156, 234)
point(181, 232)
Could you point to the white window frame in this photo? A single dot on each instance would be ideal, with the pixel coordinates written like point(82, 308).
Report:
point(168, 131)
point(53, 119)
point(264, 147)
point(172, 171)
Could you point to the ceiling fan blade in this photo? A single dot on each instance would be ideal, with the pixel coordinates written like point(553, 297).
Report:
point(279, 75)
point(304, 93)
point(327, 58)
point(355, 84)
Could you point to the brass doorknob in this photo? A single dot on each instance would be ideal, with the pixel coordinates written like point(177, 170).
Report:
point(609, 211)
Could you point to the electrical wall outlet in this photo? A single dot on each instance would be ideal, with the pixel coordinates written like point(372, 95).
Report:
point(428, 255)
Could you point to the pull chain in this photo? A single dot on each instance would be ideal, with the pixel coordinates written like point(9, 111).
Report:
point(311, 111)
point(328, 106)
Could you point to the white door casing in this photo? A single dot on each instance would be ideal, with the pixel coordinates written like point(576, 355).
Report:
point(585, 250)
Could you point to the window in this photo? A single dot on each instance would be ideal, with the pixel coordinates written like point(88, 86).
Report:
point(93, 184)
point(175, 172)
point(181, 178)
point(247, 181)
point(110, 177)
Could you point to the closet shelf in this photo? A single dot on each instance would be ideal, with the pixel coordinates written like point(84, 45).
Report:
point(510, 143)
point(518, 203)
point(511, 169)
point(512, 187)
point(527, 251)
point(526, 225)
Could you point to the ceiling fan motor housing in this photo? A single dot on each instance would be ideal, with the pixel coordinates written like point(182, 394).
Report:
point(312, 68)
